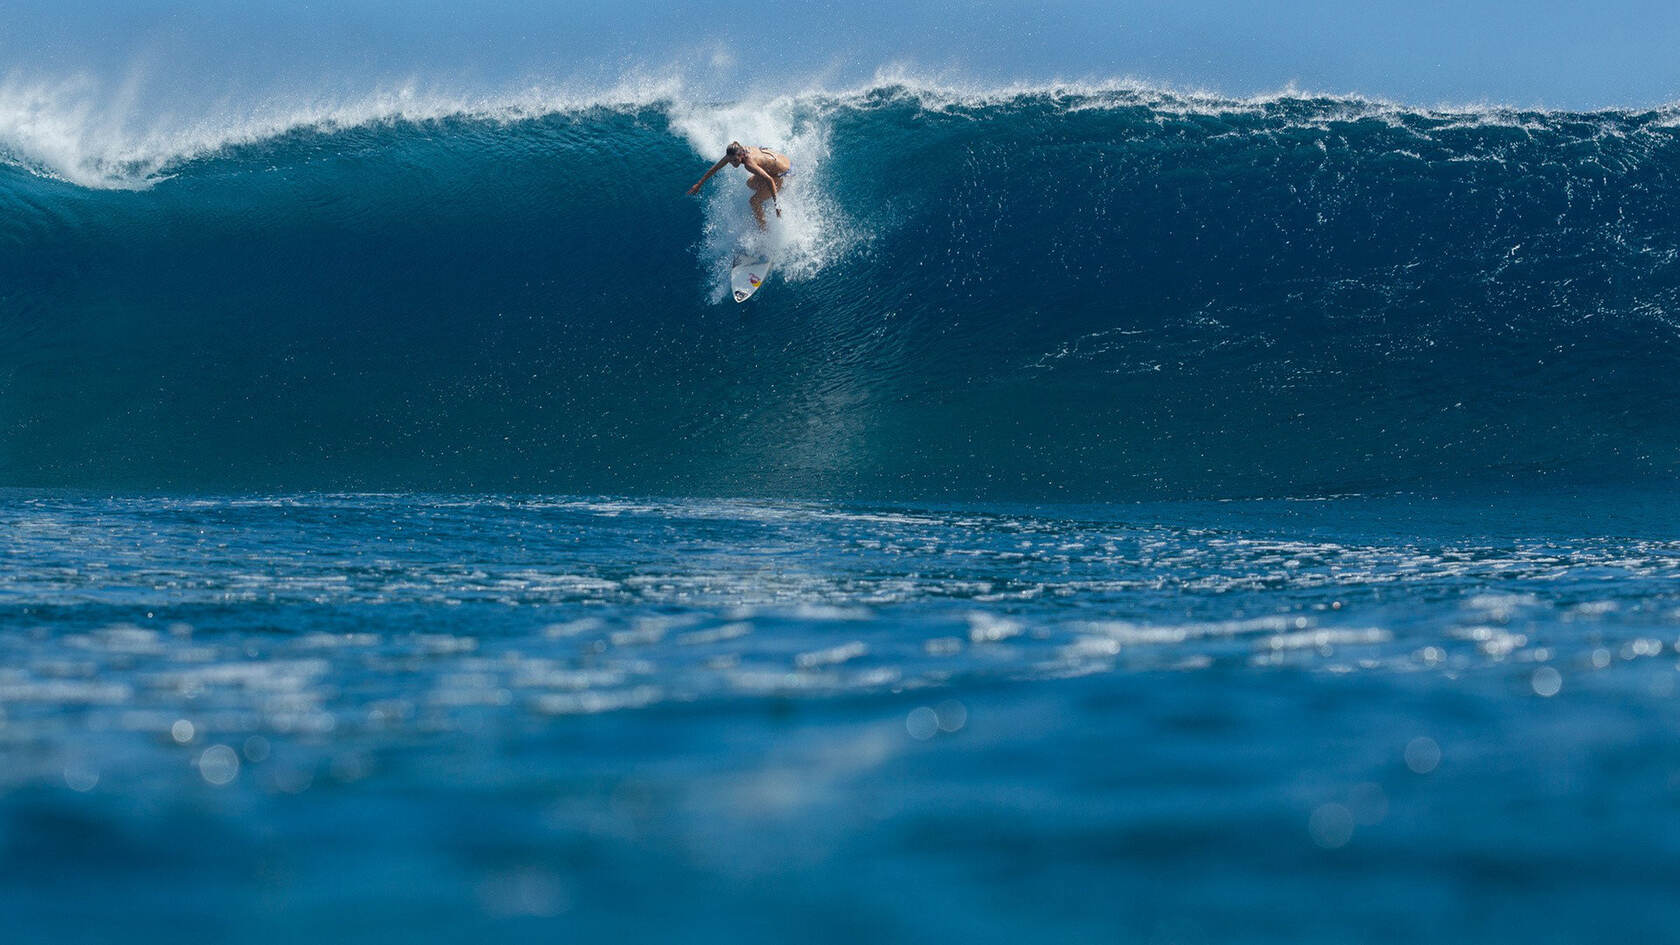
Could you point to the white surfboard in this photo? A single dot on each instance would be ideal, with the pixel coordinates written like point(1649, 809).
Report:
point(747, 274)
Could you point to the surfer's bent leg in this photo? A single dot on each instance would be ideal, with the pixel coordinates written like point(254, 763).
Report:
point(761, 193)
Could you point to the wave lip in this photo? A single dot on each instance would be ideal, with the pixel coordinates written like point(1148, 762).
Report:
point(85, 132)
point(77, 131)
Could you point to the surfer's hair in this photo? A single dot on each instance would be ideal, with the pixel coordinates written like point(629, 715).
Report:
point(735, 149)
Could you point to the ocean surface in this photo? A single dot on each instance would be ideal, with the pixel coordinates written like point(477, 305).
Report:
point(365, 718)
point(1125, 516)
point(1054, 294)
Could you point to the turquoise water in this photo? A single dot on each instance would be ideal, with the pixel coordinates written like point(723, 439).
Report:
point(365, 718)
point(1209, 298)
point(342, 614)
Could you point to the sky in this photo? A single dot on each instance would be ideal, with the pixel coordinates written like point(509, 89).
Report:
point(198, 54)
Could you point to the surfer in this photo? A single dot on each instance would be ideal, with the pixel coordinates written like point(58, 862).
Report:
point(765, 169)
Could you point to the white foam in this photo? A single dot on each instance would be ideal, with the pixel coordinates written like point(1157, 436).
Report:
point(78, 130)
point(811, 230)
point(121, 134)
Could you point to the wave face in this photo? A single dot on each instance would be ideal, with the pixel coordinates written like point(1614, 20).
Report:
point(1086, 295)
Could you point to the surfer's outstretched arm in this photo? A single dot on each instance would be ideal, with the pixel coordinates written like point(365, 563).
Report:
point(708, 176)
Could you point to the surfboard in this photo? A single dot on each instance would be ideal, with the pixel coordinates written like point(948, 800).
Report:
point(747, 274)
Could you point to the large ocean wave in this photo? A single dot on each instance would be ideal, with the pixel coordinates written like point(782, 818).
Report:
point(1080, 293)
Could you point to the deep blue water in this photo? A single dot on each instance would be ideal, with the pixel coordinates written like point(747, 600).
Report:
point(367, 718)
point(1124, 516)
point(1061, 295)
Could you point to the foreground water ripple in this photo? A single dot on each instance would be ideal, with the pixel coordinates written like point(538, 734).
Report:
point(708, 690)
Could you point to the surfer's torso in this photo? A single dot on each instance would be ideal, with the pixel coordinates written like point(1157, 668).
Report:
point(772, 163)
